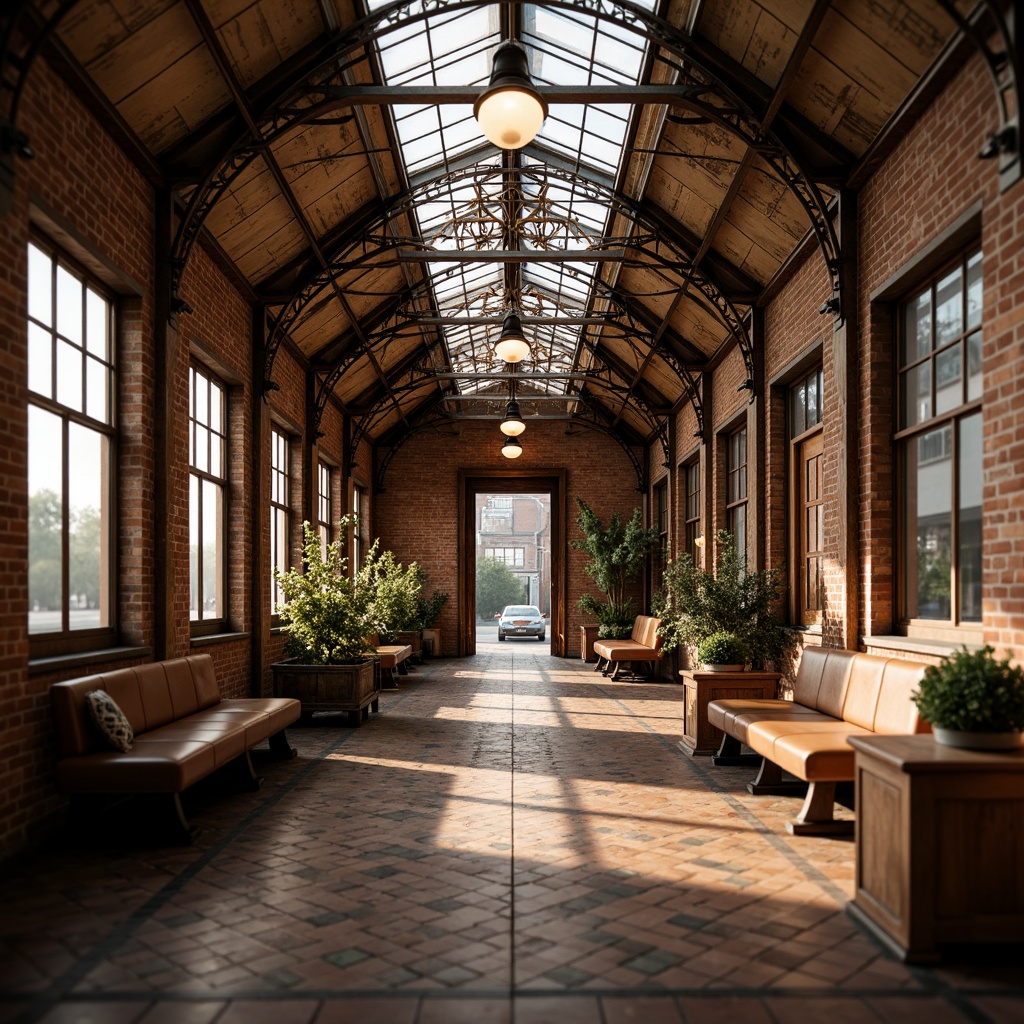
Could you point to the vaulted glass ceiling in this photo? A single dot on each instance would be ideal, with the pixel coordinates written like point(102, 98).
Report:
point(508, 201)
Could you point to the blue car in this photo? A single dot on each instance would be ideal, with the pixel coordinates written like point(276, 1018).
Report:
point(522, 620)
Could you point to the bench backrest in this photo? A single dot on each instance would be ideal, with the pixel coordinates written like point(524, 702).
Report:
point(149, 695)
point(864, 689)
point(645, 631)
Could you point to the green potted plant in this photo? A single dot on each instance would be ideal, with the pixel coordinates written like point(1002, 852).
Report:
point(428, 611)
point(722, 652)
point(973, 701)
point(728, 598)
point(327, 621)
point(395, 591)
point(617, 557)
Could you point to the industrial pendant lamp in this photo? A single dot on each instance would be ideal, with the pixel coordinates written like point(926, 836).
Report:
point(511, 449)
point(512, 424)
point(512, 345)
point(510, 110)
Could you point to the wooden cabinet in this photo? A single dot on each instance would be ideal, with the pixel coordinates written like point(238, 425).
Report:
point(940, 844)
point(699, 736)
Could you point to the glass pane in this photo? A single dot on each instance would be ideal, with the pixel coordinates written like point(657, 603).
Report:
point(69, 306)
point(97, 375)
point(45, 521)
point(916, 395)
point(40, 286)
point(949, 312)
point(216, 455)
point(216, 408)
point(969, 464)
point(96, 331)
point(814, 400)
point(929, 490)
point(948, 384)
point(975, 381)
point(202, 452)
point(798, 405)
point(193, 546)
point(917, 328)
point(40, 360)
point(69, 375)
point(88, 544)
point(202, 404)
point(213, 552)
point(975, 298)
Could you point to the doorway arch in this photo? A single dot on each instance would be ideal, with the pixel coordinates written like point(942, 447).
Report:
point(510, 481)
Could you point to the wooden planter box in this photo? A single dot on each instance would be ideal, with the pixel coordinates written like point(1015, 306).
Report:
point(414, 639)
point(354, 689)
point(588, 634)
point(432, 638)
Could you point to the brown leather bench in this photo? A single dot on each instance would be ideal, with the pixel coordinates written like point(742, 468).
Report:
point(183, 730)
point(836, 694)
point(643, 645)
point(392, 657)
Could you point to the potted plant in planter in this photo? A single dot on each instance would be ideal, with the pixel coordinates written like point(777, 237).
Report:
point(617, 557)
point(698, 603)
point(722, 652)
point(327, 620)
point(973, 701)
point(395, 591)
point(428, 611)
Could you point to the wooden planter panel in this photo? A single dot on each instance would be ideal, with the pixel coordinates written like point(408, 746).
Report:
point(328, 687)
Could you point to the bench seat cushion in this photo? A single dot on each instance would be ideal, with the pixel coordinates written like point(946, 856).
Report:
point(391, 654)
point(734, 715)
point(625, 650)
point(811, 747)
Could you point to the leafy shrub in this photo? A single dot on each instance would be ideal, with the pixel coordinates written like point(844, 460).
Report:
point(395, 591)
point(722, 649)
point(428, 611)
point(327, 616)
point(972, 692)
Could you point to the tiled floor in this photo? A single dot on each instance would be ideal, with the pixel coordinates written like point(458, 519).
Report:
point(513, 838)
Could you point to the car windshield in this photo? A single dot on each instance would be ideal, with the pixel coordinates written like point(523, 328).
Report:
point(520, 609)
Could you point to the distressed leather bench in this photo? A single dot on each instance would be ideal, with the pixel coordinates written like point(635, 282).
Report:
point(643, 645)
point(836, 694)
point(183, 731)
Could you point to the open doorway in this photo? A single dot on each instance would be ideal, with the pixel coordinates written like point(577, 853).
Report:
point(510, 557)
point(513, 567)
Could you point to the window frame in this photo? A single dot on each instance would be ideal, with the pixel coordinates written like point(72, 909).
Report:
point(325, 504)
point(738, 473)
point(693, 511)
point(955, 627)
point(68, 641)
point(279, 509)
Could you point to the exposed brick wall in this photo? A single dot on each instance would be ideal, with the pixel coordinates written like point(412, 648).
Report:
point(415, 515)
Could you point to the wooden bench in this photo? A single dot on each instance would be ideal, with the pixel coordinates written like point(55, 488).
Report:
point(643, 645)
point(836, 694)
point(183, 730)
point(392, 658)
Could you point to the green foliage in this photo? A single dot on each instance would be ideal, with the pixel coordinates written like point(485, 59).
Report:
point(972, 692)
point(614, 623)
point(701, 602)
point(428, 611)
point(496, 586)
point(617, 556)
point(395, 591)
point(45, 523)
point(327, 615)
point(722, 649)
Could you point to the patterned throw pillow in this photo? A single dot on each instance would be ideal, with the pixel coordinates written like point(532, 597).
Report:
point(109, 719)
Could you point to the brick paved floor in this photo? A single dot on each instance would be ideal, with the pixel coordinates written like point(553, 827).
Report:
point(513, 838)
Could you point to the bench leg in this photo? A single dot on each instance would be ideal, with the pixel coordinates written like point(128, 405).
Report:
point(355, 718)
point(769, 782)
point(729, 756)
point(171, 822)
point(403, 669)
point(615, 671)
point(243, 769)
point(387, 679)
point(817, 816)
point(280, 748)
point(597, 667)
point(375, 705)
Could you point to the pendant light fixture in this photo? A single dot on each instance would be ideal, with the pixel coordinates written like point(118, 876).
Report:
point(510, 111)
point(511, 449)
point(512, 424)
point(512, 345)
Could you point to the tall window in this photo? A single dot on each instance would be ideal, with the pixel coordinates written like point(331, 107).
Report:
point(323, 506)
point(940, 445)
point(807, 530)
point(736, 489)
point(661, 511)
point(357, 532)
point(207, 458)
point(280, 513)
point(70, 456)
point(691, 475)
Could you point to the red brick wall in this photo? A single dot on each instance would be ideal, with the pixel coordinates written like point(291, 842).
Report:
point(415, 514)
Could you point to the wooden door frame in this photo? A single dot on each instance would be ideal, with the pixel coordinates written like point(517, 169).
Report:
point(511, 481)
